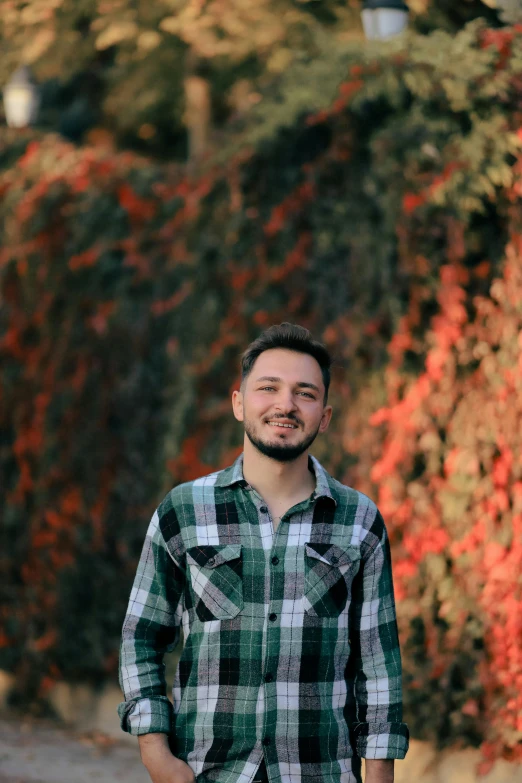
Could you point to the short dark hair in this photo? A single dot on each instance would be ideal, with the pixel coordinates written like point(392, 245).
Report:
point(294, 338)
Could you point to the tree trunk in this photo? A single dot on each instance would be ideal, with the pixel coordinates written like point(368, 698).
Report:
point(197, 116)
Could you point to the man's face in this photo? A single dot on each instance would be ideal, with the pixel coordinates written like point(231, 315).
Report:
point(281, 404)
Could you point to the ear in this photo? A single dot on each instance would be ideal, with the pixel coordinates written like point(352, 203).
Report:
point(237, 405)
point(325, 419)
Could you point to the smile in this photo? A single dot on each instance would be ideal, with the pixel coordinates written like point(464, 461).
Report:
point(286, 426)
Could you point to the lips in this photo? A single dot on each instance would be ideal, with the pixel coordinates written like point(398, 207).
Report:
point(282, 425)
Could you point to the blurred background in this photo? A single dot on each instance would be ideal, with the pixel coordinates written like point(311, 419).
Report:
point(176, 175)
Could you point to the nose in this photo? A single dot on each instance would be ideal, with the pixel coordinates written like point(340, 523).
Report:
point(285, 402)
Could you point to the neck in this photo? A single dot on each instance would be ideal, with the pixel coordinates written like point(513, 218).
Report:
point(270, 477)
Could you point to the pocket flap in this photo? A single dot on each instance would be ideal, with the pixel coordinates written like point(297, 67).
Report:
point(332, 554)
point(213, 555)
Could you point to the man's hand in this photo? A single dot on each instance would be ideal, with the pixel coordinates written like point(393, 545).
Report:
point(378, 771)
point(161, 765)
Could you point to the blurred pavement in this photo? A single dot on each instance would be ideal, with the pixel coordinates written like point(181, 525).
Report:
point(34, 751)
point(39, 752)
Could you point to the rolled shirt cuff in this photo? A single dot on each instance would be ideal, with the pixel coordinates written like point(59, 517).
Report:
point(146, 716)
point(380, 740)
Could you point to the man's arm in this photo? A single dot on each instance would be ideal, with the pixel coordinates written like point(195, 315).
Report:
point(150, 629)
point(374, 670)
point(378, 771)
point(161, 765)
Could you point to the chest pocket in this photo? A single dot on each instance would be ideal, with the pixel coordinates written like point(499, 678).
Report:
point(329, 572)
point(216, 579)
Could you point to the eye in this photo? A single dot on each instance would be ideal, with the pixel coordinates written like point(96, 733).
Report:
point(307, 394)
point(267, 388)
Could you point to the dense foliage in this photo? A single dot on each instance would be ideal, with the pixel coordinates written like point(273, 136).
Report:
point(390, 224)
point(126, 67)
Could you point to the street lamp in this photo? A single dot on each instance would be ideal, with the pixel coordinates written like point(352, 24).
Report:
point(384, 18)
point(21, 99)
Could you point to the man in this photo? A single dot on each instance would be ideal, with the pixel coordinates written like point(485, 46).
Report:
point(281, 580)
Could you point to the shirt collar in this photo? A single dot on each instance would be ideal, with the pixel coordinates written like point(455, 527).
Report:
point(234, 475)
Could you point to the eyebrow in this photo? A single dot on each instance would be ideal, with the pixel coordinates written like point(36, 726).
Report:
point(300, 384)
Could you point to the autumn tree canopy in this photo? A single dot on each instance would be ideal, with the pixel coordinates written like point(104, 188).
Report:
point(125, 64)
point(147, 71)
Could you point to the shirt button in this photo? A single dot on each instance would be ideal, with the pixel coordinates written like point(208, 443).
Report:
point(272, 617)
point(263, 510)
point(334, 560)
point(266, 741)
point(275, 560)
point(211, 561)
point(269, 677)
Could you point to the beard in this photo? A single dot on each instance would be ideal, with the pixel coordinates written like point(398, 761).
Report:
point(280, 452)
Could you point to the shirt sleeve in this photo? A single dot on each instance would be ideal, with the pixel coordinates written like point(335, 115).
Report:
point(374, 670)
point(151, 628)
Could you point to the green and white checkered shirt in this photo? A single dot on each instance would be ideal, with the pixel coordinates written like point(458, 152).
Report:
point(291, 651)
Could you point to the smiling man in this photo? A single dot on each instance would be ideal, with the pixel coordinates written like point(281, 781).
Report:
point(280, 577)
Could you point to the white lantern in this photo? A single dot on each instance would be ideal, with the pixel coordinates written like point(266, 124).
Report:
point(384, 19)
point(21, 99)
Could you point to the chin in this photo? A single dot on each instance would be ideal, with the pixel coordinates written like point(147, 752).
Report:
point(280, 449)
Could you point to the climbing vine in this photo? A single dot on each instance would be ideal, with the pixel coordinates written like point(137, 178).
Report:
point(390, 225)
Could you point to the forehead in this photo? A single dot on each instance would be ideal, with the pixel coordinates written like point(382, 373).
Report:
point(290, 366)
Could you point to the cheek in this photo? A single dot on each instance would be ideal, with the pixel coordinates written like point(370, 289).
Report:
point(253, 410)
point(315, 420)
point(257, 406)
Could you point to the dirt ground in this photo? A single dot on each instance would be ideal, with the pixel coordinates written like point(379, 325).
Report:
point(33, 751)
point(41, 752)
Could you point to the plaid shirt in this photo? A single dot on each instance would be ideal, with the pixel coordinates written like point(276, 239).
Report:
point(291, 651)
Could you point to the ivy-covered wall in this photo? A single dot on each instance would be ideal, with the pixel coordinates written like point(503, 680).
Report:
point(390, 225)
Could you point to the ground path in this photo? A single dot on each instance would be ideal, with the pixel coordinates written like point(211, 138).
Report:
point(40, 752)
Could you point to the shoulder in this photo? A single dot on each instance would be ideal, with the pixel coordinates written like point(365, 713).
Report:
point(186, 493)
point(178, 509)
point(181, 501)
point(360, 511)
